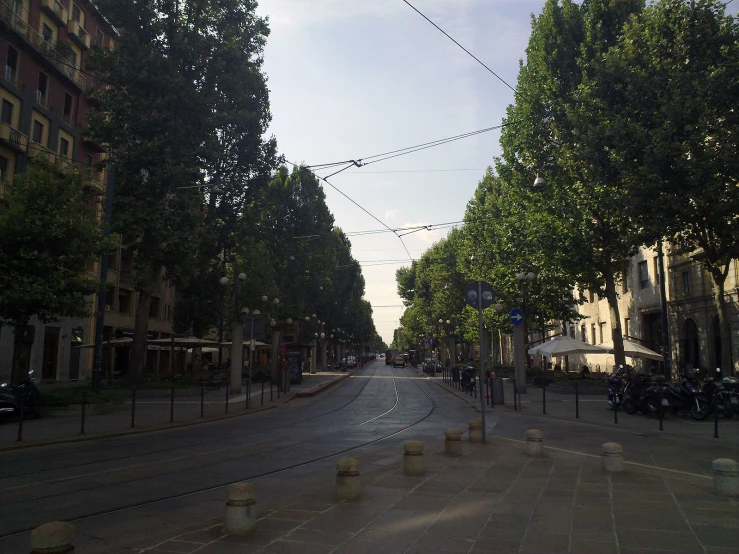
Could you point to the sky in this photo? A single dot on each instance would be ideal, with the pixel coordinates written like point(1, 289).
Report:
point(350, 79)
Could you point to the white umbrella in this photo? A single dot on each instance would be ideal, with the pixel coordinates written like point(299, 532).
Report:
point(246, 343)
point(125, 341)
point(564, 346)
point(189, 342)
point(633, 350)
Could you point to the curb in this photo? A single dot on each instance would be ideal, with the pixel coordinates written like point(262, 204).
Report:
point(320, 388)
point(25, 446)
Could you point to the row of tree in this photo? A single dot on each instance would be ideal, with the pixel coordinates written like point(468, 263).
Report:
point(182, 106)
point(628, 112)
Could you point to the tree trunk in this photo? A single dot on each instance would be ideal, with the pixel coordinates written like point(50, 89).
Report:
point(719, 300)
point(615, 317)
point(137, 363)
point(17, 371)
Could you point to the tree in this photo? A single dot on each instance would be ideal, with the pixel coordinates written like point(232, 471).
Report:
point(174, 121)
point(582, 213)
point(665, 101)
point(49, 236)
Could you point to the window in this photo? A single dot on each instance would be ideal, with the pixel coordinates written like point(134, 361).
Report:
point(125, 301)
point(4, 164)
point(43, 83)
point(72, 63)
point(38, 132)
point(76, 13)
point(583, 334)
point(643, 275)
point(67, 106)
point(155, 308)
point(686, 283)
point(47, 33)
point(88, 159)
point(99, 37)
point(656, 271)
point(6, 114)
point(11, 64)
point(601, 326)
point(627, 331)
point(64, 147)
point(592, 333)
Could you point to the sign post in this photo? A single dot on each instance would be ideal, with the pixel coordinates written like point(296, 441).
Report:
point(517, 318)
point(480, 295)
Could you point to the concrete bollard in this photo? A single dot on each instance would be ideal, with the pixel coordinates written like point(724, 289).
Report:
point(348, 485)
point(453, 442)
point(534, 444)
point(413, 463)
point(241, 515)
point(56, 537)
point(475, 430)
point(613, 457)
point(726, 477)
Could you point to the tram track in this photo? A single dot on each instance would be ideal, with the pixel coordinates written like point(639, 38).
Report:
point(253, 476)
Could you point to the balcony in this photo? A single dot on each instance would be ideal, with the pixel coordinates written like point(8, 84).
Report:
point(15, 139)
point(56, 11)
point(91, 177)
point(46, 48)
point(77, 33)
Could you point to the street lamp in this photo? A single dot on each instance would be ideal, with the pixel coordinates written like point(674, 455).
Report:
point(539, 182)
point(519, 334)
point(237, 333)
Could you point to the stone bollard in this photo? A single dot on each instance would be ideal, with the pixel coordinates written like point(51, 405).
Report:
point(453, 442)
point(613, 457)
point(726, 477)
point(413, 463)
point(534, 444)
point(475, 430)
point(56, 537)
point(348, 486)
point(241, 515)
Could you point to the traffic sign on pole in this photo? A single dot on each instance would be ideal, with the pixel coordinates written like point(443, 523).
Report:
point(516, 317)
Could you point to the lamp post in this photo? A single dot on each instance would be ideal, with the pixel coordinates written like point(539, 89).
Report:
point(519, 334)
point(275, 337)
point(237, 334)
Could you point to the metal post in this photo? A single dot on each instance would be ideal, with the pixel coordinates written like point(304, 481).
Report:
point(487, 392)
point(228, 386)
point(577, 402)
point(202, 401)
point(97, 366)
point(715, 422)
point(20, 418)
point(515, 406)
point(251, 362)
point(171, 405)
point(133, 408)
point(262, 404)
point(479, 331)
point(544, 398)
point(660, 410)
point(663, 312)
point(82, 419)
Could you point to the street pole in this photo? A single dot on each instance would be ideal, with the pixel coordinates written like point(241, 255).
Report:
point(663, 312)
point(479, 328)
point(251, 360)
point(97, 364)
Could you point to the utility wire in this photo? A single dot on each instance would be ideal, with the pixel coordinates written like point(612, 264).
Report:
point(462, 47)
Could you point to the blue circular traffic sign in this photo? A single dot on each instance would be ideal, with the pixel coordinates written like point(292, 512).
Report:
point(516, 316)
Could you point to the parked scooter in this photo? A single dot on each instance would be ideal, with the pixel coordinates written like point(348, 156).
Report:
point(616, 388)
point(24, 393)
point(731, 386)
point(646, 396)
point(468, 379)
point(687, 396)
point(719, 398)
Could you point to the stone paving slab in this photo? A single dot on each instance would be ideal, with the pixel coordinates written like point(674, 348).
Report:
point(492, 499)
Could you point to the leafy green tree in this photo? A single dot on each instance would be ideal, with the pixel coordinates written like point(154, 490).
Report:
point(49, 236)
point(176, 120)
point(582, 213)
point(663, 111)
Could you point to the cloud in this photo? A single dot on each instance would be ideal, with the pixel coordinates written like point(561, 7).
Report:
point(390, 214)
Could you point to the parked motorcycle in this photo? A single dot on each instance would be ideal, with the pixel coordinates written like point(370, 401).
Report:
point(23, 394)
point(731, 386)
point(646, 396)
point(468, 379)
point(687, 396)
point(616, 388)
point(719, 398)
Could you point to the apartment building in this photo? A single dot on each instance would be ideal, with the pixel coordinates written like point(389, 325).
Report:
point(693, 327)
point(43, 105)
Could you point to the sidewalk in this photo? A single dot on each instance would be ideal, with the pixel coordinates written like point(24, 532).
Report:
point(494, 498)
point(153, 414)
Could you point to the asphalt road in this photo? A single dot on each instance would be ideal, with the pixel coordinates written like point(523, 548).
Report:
point(124, 492)
point(119, 491)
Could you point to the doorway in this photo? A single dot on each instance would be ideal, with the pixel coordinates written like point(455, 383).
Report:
point(51, 354)
point(690, 345)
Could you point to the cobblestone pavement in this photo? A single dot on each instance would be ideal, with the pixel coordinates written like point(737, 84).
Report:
point(494, 498)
